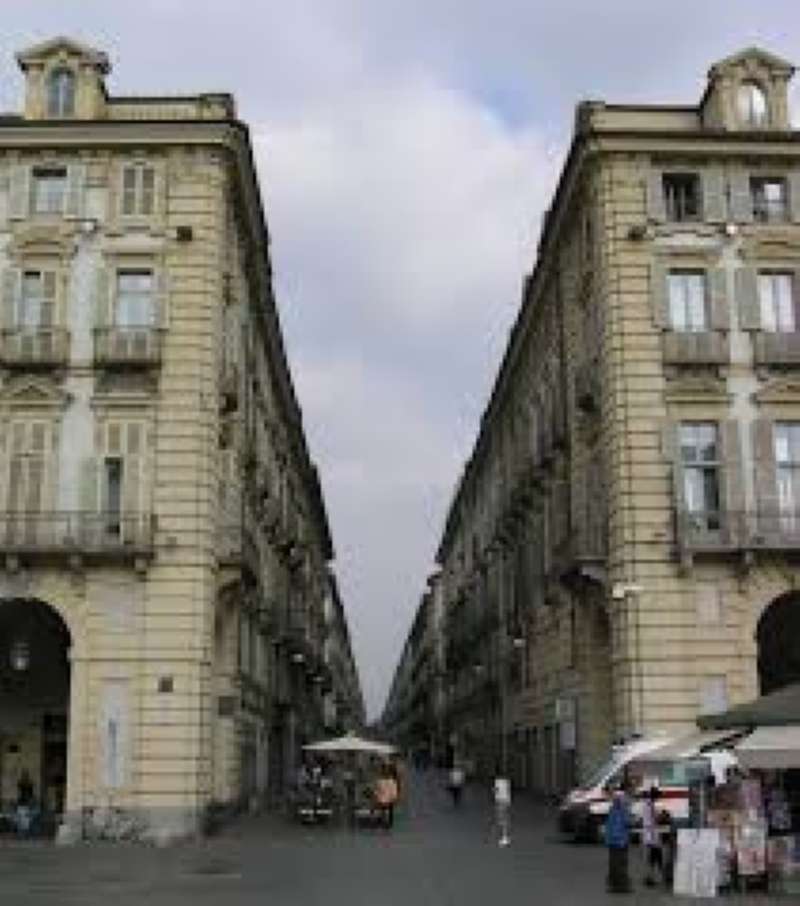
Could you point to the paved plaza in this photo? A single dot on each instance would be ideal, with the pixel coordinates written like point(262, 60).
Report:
point(434, 856)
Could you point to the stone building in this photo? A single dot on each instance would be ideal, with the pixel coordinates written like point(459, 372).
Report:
point(621, 552)
point(343, 702)
point(164, 542)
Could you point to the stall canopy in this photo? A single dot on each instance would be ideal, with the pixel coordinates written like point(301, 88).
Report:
point(350, 743)
point(778, 709)
point(771, 748)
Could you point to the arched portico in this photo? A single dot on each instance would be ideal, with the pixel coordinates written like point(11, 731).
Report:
point(778, 640)
point(35, 672)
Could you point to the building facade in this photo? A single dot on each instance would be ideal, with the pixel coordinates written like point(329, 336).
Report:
point(621, 553)
point(164, 542)
point(343, 706)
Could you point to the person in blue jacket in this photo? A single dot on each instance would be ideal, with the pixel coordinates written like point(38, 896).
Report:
point(618, 838)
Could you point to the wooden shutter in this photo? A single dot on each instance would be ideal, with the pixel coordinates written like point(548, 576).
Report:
point(12, 278)
point(656, 206)
point(765, 473)
point(714, 202)
point(160, 298)
point(793, 183)
point(49, 298)
point(19, 190)
point(732, 496)
point(103, 297)
point(718, 299)
point(747, 301)
point(659, 292)
point(741, 197)
point(89, 485)
point(73, 199)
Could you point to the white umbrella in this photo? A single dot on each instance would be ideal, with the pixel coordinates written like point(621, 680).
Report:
point(350, 743)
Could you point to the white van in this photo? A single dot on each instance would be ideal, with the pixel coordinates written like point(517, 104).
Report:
point(584, 810)
point(645, 763)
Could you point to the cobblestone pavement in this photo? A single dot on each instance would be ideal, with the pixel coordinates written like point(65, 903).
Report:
point(435, 856)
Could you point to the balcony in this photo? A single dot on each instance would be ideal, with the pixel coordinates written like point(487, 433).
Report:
point(34, 348)
point(776, 348)
point(582, 555)
point(127, 347)
point(767, 529)
point(236, 545)
point(587, 386)
point(82, 534)
point(710, 347)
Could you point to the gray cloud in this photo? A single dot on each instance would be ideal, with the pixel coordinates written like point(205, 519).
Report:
point(406, 151)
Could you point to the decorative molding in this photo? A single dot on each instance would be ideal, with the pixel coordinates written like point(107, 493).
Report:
point(780, 391)
point(33, 392)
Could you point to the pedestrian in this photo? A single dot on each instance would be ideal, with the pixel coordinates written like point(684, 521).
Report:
point(651, 838)
point(24, 810)
point(618, 836)
point(386, 792)
point(455, 783)
point(502, 807)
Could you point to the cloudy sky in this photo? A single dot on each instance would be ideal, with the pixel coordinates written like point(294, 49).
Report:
point(406, 150)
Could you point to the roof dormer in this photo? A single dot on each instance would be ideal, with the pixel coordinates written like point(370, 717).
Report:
point(748, 92)
point(64, 80)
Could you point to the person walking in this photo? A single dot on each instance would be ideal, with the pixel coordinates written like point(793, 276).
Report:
point(502, 807)
point(618, 836)
point(651, 838)
point(386, 793)
point(455, 783)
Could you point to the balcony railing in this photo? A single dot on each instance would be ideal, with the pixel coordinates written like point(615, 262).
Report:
point(776, 348)
point(708, 347)
point(766, 529)
point(34, 348)
point(76, 533)
point(127, 346)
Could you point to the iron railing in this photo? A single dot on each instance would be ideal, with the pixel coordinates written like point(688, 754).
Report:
point(132, 346)
point(71, 532)
point(712, 531)
point(34, 347)
point(708, 347)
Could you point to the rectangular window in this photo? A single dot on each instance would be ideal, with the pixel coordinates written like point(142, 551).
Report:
point(769, 199)
point(138, 190)
point(688, 307)
point(135, 304)
point(787, 465)
point(700, 461)
point(37, 300)
point(48, 190)
point(112, 478)
point(777, 302)
point(682, 196)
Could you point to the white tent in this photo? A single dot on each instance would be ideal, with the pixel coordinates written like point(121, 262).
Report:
point(771, 748)
point(350, 743)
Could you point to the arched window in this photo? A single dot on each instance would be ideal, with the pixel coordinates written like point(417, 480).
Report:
point(752, 104)
point(61, 93)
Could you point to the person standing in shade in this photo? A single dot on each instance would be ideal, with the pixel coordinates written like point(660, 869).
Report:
point(618, 838)
point(455, 783)
point(502, 808)
point(651, 838)
point(386, 793)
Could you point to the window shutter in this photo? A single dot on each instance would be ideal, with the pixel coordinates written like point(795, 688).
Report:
point(656, 207)
point(19, 192)
point(660, 294)
point(794, 196)
point(741, 198)
point(132, 470)
point(49, 293)
point(765, 473)
point(718, 299)
point(671, 450)
point(714, 206)
point(11, 289)
point(73, 200)
point(102, 298)
point(88, 491)
point(732, 490)
point(747, 301)
point(160, 309)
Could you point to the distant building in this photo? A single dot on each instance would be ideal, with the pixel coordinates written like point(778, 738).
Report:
point(621, 553)
point(164, 541)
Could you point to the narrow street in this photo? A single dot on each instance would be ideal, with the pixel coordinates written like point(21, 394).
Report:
point(434, 856)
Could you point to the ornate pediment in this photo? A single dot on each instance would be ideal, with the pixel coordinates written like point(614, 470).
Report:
point(62, 47)
point(777, 391)
point(32, 240)
point(696, 388)
point(32, 392)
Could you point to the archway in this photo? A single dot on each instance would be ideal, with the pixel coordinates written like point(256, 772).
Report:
point(34, 708)
point(778, 637)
